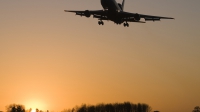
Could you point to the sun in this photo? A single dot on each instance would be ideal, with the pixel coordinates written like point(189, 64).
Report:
point(33, 110)
point(35, 104)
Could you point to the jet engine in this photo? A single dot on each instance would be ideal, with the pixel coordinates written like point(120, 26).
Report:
point(137, 17)
point(87, 13)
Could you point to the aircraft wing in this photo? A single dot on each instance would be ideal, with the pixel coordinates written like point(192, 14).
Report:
point(87, 13)
point(146, 17)
point(149, 16)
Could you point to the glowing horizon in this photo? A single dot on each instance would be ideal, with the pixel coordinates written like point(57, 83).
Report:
point(53, 60)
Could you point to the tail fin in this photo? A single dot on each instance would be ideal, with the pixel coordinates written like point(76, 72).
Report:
point(123, 4)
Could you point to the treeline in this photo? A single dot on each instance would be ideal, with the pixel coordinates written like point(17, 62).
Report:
point(20, 108)
point(114, 107)
point(15, 108)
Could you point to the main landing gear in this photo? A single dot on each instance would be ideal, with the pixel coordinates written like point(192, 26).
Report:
point(126, 25)
point(101, 23)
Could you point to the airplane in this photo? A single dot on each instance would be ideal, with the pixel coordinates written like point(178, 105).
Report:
point(113, 11)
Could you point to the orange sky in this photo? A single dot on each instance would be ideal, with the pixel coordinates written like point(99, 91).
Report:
point(54, 60)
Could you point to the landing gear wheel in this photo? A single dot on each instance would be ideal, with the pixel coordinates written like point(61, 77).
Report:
point(126, 25)
point(100, 22)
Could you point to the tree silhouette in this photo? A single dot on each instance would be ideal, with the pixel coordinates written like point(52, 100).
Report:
point(30, 110)
point(82, 108)
point(15, 108)
point(91, 108)
point(196, 109)
point(116, 107)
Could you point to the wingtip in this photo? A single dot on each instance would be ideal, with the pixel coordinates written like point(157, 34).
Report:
point(65, 10)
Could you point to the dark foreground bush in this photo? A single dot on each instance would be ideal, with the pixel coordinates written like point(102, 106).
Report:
point(15, 108)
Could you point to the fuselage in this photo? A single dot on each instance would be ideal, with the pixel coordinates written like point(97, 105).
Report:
point(112, 8)
point(110, 5)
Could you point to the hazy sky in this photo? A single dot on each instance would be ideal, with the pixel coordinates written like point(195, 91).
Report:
point(50, 59)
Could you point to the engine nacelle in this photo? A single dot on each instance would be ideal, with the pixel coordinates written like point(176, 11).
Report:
point(137, 17)
point(87, 13)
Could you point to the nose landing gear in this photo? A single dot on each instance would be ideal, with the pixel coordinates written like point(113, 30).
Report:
point(126, 24)
point(101, 22)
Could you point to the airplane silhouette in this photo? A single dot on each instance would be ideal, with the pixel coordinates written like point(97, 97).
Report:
point(114, 11)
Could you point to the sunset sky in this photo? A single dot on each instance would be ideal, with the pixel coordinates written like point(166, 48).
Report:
point(53, 60)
